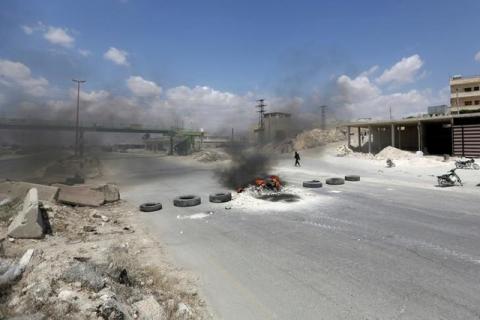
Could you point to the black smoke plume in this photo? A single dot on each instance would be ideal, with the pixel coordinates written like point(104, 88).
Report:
point(246, 165)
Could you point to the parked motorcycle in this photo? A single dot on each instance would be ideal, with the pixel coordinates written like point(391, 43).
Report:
point(467, 164)
point(449, 179)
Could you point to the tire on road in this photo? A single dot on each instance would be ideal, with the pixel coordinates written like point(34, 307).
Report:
point(352, 177)
point(312, 184)
point(187, 201)
point(335, 181)
point(150, 206)
point(220, 197)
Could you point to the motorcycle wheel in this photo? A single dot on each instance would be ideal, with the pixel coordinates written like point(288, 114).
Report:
point(475, 166)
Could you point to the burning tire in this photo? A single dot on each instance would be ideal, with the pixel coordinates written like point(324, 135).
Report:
point(150, 206)
point(335, 181)
point(220, 197)
point(352, 178)
point(312, 184)
point(187, 201)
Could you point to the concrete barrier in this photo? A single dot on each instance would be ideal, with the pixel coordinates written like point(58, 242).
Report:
point(110, 191)
point(18, 189)
point(28, 224)
point(81, 196)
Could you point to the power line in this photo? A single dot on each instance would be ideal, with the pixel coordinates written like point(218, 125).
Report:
point(261, 110)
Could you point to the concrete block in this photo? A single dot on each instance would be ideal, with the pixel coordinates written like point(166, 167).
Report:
point(18, 189)
point(81, 196)
point(28, 224)
point(110, 191)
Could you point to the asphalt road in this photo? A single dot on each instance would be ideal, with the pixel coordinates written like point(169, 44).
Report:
point(25, 167)
point(391, 246)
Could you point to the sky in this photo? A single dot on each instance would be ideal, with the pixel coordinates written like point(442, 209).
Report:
point(204, 63)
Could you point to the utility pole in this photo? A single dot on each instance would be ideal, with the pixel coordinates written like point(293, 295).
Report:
point(323, 117)
point(261, 111)
point(77, 133)
point(390, 112)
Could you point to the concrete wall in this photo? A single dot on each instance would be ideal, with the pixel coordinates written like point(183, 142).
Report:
point(277, 127)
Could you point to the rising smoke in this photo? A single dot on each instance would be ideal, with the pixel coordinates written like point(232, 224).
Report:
point(246, 165)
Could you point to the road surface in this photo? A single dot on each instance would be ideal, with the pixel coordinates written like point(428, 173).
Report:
point(391, 246)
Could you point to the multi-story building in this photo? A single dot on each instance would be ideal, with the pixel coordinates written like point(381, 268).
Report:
point(464, 94)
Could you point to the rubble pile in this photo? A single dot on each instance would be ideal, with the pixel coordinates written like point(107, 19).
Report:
point(394, 153)
point(92, 263)
point(285, 146)
point(211, 155)
point(343, 151)
point(317, 137)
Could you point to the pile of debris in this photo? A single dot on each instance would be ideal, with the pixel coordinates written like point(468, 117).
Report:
point(394, 153)
point(343, 151)
point(317, 137)
point(88, 262)
point(211, 155)
point(285, 146)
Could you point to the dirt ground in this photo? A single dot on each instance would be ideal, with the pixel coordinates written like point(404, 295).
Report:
point(96, 263)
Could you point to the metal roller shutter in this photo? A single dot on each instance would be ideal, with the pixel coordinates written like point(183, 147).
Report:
point(466, 140)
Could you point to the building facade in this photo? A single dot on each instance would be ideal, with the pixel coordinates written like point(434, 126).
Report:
point(465, 94)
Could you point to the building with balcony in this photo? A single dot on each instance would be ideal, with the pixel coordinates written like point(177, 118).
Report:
point(465, 94)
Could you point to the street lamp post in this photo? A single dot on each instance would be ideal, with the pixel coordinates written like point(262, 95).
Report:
point(77, 134)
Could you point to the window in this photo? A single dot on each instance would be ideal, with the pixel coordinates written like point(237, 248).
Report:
point(477, 102)
point(468, 103)
point(476, 88)
point(468, 89)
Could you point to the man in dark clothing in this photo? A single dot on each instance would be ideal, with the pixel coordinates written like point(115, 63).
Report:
point(297, 159)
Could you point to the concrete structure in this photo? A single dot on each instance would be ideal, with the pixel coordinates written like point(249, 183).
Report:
point(28, 224)
point(465, 94)
point(449, 134)
point(18, 189)
point(81, 196)
point(277, 126)
point(438, 110)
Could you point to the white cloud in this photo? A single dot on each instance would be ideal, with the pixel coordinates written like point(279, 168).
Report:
point(202, 95)
point(90, 97)
point(16, 74)
point(358, 89)
point(143, 88)
point(370, 71)
point(28, 30)
point(359, 97)
point(117, 56)
point(59, 36)
point(477, 56)
point(84, 52)
point(404, 71)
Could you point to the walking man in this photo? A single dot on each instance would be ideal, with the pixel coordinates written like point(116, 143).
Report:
point(297, 159)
